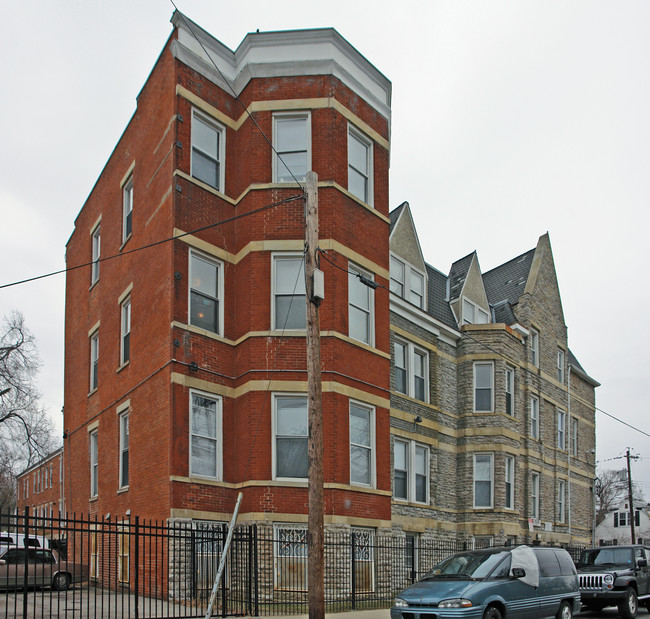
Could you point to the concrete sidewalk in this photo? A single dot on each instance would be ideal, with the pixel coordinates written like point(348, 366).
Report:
point(381, 613)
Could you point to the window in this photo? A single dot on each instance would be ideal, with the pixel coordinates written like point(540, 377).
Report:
point(483, 541)
point(406, 282)
point(94, 478)
point(411, 370)
point(359, 165)
point(534, 347)
point(410, 471)
point(561, 493)
point(361, 305)
point(96, 253)
point(510, 390)
point(205, 293)
point(123, 539)
point(125, 339)
point(534, 417)
point(207, 150)
point(510, 483)
point(483, 387)
point(289, 293)
point(205, 437)
point(290, 558)
point(291, 436)
point(292, 137)
point(361, 444)
point(124, 449)
point(364, 561)
point(574, 436)
point(483, 471)
point(561, 429)
point(94, 360)
point(560, 365)
point(127, 208)
point(473, 314)
point(534, 495)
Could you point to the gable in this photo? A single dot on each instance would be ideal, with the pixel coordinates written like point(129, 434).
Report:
point(404, 241)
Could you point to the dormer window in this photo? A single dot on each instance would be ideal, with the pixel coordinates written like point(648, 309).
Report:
point(406, 282)
point(473, 314)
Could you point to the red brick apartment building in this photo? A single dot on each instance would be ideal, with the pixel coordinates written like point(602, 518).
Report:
point(185, 359)
point(41, 488)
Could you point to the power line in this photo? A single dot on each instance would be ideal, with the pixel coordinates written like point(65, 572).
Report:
point(155, 243)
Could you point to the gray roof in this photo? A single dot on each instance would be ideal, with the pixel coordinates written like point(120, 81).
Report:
point(458, 274)
point(508, 281)
point(438, 304)
point(395, 213)
point(503, 312)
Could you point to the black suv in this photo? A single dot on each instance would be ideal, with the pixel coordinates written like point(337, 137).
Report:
point(615, 576)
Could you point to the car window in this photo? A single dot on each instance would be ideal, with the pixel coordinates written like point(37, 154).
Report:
point(548, 563)
point(472, 564)
point(5, 539)
point(503, 569)
point(607, 556)
point(43, 556)
point(14, 556)
point(567, 567)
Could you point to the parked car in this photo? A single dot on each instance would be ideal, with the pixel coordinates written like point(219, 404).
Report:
point(45, 568)
point(519, 582)
point(615, 576)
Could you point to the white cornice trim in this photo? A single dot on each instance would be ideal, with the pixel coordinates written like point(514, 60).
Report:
point(423, 320)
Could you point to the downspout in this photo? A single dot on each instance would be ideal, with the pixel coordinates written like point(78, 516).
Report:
point(568, 422)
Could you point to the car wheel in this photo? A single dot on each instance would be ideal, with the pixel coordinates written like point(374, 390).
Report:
point(492, 613)
point(565, 612)
point(629, 605)
point(61, 582)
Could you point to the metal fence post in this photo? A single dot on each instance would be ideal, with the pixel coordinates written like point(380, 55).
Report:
point(354, 574)
point(256, 579)
point(25, 579)
point(137, 566)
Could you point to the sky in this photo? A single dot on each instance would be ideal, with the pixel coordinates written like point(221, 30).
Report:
point(509, 120)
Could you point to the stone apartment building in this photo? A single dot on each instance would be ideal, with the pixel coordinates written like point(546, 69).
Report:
point(492, 417)
point(453, 407)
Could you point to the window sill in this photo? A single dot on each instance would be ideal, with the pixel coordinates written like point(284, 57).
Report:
point(122, 490)
point(92, 499)
point(92, 391)
point(93, 284)
point(122, 367)
point(125, 241)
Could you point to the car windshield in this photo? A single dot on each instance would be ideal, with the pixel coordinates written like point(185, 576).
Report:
point(471, 565)
point(607, 557)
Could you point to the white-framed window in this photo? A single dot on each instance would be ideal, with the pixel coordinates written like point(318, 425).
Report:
point(483, 386)
point(561, 500)
point(483, 480)
point(127, 209)
point(205, 435)
point(561, 429)
point(94, 360)
point(206, 292)
point(560, 365)
point(510, 390)
point(482, 541)
point(95, 239)
point(410, 471)
point(288, 311)
point(473, 314)
point(362, 459)
point(534, 495)
point(290, 557)
point(411, 370)
point(123, 543)
point(534, 347)
point(124, 449)
point(407, 282)
point(359, 165)
point(361, 305)
point(208, 150)
point(509, 502)
point(534, 417)
point(292, 142)
point(574, 436)
point(291, 426)
point(125, 331)
point(94, 463)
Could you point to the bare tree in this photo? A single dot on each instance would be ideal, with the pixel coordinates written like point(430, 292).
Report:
point(611, 489)
point(26, 432)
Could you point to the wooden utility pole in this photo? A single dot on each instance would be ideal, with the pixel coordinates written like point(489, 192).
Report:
point(315, 535)
point(631, 500)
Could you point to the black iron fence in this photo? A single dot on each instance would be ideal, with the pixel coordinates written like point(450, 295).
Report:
point(132, 567)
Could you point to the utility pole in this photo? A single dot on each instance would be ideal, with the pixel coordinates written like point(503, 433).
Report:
point(631, 500)
point(313, 296)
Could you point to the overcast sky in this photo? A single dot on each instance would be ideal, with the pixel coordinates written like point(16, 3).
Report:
point(510, 119)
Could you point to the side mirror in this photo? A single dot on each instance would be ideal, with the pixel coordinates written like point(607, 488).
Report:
point(642, 563)
point(518, 572)
point(3, 562)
